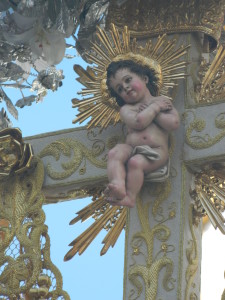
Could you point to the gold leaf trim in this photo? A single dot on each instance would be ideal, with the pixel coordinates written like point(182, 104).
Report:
point(153, 264)
point(25, 264)
point(192, 256)
point(198, 125)
point(77, 153)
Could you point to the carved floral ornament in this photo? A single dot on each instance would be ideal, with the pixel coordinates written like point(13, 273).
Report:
point(15, 155)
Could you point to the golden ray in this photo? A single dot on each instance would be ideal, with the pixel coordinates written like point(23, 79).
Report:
point(112, 236)
point(212, 79)
point(113, 46)
point(106, 217)
point(209, 76)
point(209, 196)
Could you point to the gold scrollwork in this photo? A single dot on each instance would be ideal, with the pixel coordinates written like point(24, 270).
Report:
point(77, 152)
point(150, 272)
point(25, 265)
point(192, 257)
point(204, 141)
point(193, 296)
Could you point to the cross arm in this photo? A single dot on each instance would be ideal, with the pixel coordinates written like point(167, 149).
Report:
point(74, 160)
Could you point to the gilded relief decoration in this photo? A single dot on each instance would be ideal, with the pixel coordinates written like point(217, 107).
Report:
point(198, 125)
point(192, 258)
point(154, 17)
point(211, 85)
point(143, 244)
point(208, 193)
point(25, 265)
point(78, 154)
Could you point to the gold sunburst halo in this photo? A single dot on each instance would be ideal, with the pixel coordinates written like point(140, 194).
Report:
point(97, 103)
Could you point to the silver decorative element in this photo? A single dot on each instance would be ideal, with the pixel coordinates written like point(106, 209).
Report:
point(32, 37)
point(33, 40)
point(4, 120)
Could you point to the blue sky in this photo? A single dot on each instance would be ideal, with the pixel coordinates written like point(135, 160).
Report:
point(88, 276)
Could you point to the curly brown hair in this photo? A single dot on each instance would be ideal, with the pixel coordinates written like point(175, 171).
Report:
point(133, 67)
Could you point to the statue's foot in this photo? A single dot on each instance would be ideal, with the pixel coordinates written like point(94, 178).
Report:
point(126, 201)
point(115, 191)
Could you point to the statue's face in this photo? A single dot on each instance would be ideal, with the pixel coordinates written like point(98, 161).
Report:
point(129, 86)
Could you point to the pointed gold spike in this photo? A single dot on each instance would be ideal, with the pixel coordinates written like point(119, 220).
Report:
point(158, 45)
point(210, 193)
point(101, 52)
point(95, 60)
point(88, 91)
point(95, 121)
point(83, 73)
point(214, 215)
point(219, 193)
point(126, 39)
point(213, 67)
point(112, 236)
point(174, 56)
point(169, 47)
point(84, 240)
point(89, 210)
point(177, 66)
point(86, 114)
point(105, 41)
point(88, 101)
point(116, 39)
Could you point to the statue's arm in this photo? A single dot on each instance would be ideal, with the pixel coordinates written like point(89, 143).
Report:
point(168, 120)
point(136, 119)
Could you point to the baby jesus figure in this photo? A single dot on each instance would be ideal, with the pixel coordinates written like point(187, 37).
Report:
point(149, 120)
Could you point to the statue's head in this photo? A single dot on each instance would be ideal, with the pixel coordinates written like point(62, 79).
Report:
point(134, 67)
